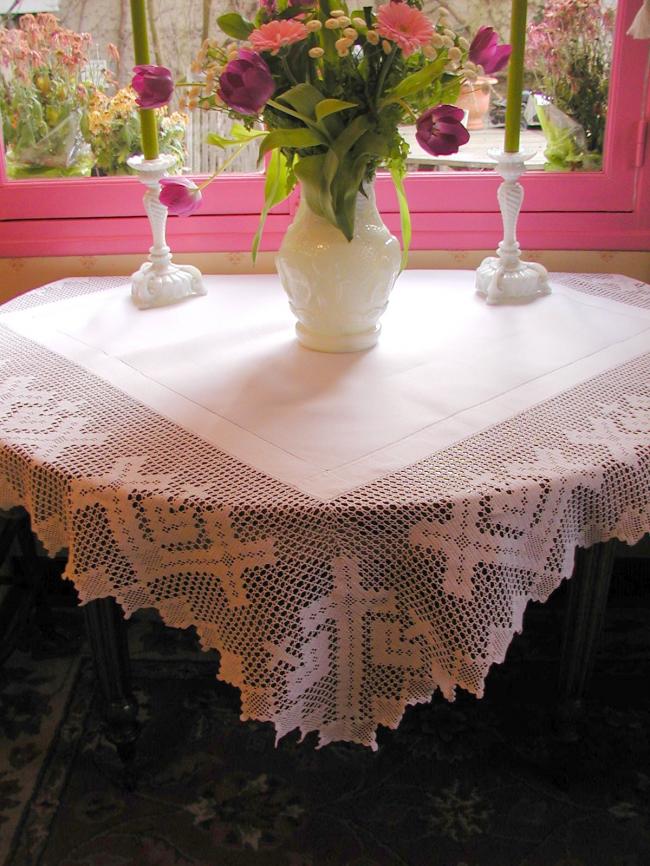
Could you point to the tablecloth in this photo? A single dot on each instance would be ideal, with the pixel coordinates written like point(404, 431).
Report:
point(350, 532)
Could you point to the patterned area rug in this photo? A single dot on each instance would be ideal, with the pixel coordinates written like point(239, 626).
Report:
point(475, 783)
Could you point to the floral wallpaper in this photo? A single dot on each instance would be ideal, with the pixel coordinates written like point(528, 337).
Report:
point(21, 274)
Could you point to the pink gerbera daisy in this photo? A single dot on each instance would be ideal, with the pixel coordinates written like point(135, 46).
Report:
point(405, 25)
point(276, 34)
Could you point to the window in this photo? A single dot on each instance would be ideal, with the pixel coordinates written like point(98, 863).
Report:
point(595, 209)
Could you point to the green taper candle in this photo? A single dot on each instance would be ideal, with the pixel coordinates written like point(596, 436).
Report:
point(515, 74)
point(148, 124)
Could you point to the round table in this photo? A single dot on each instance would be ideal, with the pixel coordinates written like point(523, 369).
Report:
point(350, 532)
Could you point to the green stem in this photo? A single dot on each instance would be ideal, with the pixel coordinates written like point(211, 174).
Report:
point(407, 108)
point(148, 123)
point(225, 165)
point(285, 66)
point(383, 72)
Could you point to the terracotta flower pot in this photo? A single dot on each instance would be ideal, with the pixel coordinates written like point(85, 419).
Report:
point(475, 99)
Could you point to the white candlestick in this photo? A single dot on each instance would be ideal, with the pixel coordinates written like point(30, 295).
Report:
point(506, 279)
point(159, 282)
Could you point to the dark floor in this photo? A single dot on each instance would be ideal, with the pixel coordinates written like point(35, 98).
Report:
point(474, 783)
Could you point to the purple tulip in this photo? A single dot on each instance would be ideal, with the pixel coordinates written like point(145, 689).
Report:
point(486, 51)
point(246, 83)
point(180, 195)
point(440, 131)
point(153, 84)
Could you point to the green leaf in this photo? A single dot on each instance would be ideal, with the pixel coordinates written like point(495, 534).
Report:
point(239, 135)
point(315, 175)
point(302, 117)
point(372, 143)
point(415, 82)
point(398, 172)
point(331, 106)
point(344, 193)
point(449, 91)
point(235, 26)
point(350, 135)
point(350, 175)
point(291, 12)
point(303, 98)
point(277, 187)
point(294, 137)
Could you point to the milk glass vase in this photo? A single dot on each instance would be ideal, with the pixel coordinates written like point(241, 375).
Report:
point(339, 289)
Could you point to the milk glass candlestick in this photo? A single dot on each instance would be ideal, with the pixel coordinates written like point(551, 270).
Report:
point(505, 279)
point(158, 282)
point(148, 126)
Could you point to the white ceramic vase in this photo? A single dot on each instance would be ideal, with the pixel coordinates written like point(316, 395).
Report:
point(338, 289)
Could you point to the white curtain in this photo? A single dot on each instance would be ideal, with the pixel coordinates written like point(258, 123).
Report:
point(640, 28)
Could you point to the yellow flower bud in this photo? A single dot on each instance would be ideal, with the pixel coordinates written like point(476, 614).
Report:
point(455, 54)
point(469, 74)
point(336, 13)
point(314, 26)
point(350, 32)
point(450, 33)
point(443, 11)
point(344, 21)
point(332, 24)
point(429, 51)
point(447, 41)
point(437, 40)
point(386, 46)
point(443, 22)
point(316, 52)
point(373, 37)
point(463, 43)
point(343, 44)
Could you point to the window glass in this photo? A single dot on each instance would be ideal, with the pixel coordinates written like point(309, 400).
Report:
point(67, 109)
point(566, 79)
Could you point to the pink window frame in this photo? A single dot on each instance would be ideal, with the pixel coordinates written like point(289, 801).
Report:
point(599, 210)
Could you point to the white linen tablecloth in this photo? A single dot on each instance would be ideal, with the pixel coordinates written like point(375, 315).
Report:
point(351, 532)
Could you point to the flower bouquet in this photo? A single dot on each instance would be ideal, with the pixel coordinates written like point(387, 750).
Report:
point(331, 87)
point(43, 94)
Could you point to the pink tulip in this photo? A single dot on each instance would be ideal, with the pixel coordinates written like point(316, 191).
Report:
point(486, 51)
point(180, 195)
point(153, 84)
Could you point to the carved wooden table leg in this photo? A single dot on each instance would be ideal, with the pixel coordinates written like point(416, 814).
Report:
point(108, 642)
point(25, 581)
point(588, 591)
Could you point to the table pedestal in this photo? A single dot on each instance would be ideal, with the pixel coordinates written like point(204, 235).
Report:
point(108, 642)
point(585, 613)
